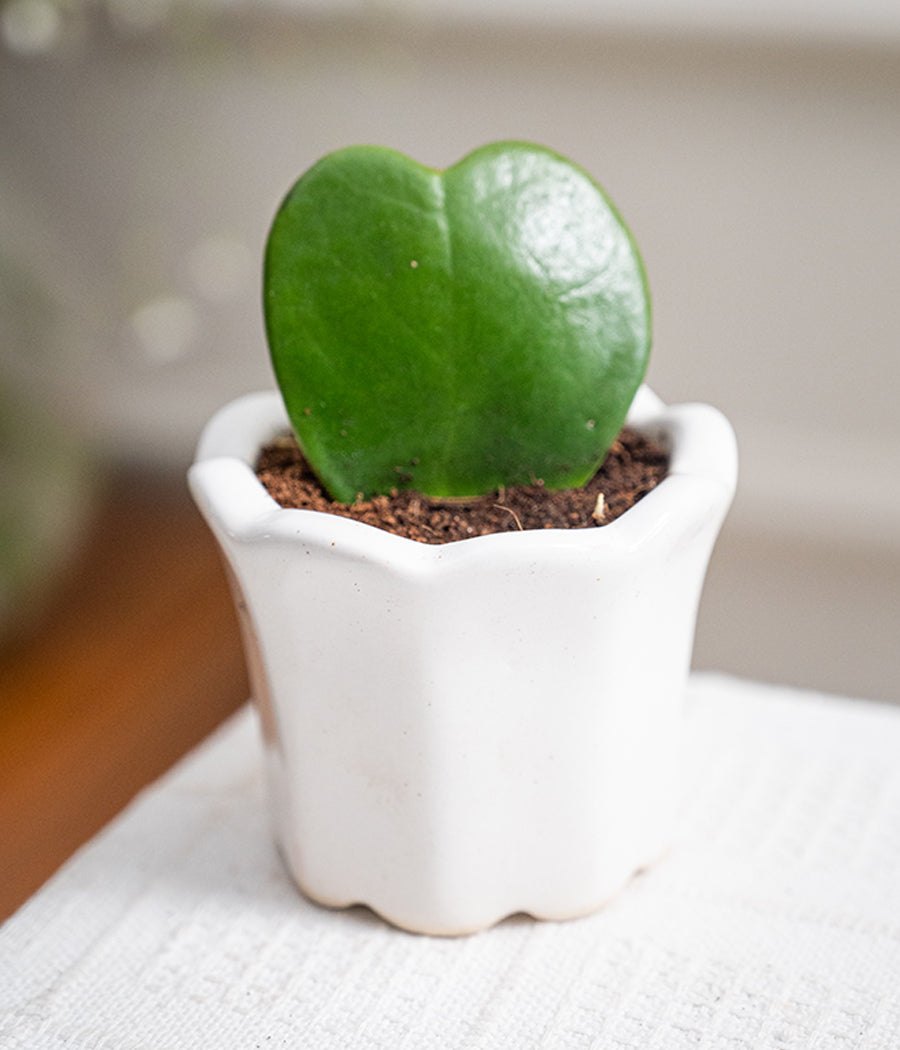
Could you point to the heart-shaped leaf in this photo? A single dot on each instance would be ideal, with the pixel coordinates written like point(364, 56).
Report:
point(454, 331)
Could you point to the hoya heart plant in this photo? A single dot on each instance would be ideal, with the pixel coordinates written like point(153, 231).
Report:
point(454, 331)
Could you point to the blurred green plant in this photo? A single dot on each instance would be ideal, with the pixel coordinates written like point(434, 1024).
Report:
point(47, 485)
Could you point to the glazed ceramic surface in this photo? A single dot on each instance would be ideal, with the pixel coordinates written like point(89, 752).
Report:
point(456, 733)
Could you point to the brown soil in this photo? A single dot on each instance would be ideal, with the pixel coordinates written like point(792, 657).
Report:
point(632, 468)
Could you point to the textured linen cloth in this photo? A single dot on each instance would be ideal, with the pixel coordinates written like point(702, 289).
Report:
point(773, 922)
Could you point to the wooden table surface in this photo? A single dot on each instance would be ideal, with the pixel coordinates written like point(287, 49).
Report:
point(135, 660)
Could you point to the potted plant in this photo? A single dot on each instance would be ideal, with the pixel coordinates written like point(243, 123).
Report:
point(457, 732)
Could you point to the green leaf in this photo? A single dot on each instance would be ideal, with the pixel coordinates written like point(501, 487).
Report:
point(454, 331)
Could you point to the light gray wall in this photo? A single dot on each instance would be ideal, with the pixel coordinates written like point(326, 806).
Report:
point(138, 174)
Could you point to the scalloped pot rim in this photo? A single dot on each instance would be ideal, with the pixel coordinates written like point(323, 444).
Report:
point(703, 471)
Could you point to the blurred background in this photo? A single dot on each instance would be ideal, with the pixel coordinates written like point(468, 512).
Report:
point(752, 145)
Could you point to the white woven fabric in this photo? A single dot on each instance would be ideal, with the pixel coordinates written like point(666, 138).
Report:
point(773, 923)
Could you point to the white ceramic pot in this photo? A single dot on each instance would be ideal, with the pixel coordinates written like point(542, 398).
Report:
point(459, 732)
